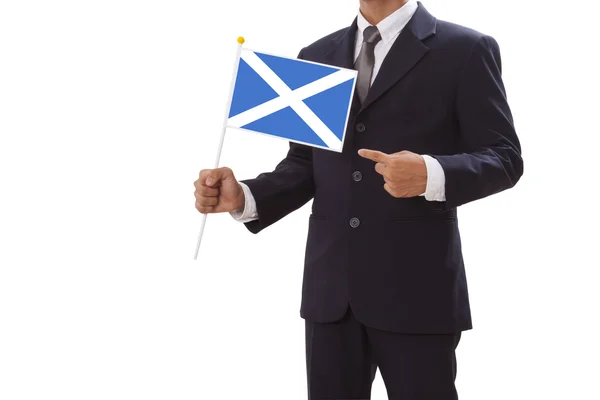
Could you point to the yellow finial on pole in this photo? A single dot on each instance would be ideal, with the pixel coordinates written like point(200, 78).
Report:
point(241, 40)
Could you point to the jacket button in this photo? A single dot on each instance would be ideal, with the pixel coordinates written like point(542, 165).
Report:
point(360, 127)
point(354, 222)
point(357, 176)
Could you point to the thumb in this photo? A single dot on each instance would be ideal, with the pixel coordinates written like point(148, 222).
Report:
point(217, 175)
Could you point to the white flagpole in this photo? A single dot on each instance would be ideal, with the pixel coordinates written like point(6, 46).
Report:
point(240, 41)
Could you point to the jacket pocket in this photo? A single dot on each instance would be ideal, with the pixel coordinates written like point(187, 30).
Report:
point(426, 218)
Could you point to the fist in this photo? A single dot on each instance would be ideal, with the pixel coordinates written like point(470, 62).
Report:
point(218, 191)
point(404, 173)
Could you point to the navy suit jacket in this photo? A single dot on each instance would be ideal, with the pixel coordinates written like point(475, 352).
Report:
point(399, 265)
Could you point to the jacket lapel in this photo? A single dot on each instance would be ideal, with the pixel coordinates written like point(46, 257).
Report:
point(342, 55)
point(342, 51)
point(406, 52)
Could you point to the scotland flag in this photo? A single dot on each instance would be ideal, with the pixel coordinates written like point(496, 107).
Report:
point(296, 100)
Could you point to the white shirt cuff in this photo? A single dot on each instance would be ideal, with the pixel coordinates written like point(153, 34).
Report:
point(249, 212)
point(436, 180)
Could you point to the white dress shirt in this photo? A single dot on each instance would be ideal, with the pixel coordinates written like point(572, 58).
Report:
point(389, 29)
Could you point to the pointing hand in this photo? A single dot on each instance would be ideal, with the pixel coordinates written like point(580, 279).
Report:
point(404, 173)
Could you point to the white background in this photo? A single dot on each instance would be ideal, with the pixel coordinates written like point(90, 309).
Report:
point(109, 109)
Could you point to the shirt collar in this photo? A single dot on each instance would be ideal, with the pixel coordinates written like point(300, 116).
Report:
point(392, 24)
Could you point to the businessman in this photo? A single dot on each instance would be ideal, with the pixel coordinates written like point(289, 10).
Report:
point(384, 282)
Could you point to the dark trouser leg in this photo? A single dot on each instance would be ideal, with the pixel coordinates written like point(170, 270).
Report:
point(416, 367)
point(338, 360)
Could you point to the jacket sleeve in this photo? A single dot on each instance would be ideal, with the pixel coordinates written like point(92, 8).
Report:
point(288, 187)
point(490, 152)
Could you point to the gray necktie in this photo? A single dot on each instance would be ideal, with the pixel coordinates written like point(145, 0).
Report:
point(365, 61)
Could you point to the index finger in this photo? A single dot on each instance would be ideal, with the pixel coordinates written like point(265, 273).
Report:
point(374, 155)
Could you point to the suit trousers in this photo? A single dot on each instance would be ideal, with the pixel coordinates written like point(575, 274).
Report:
point(342, 359)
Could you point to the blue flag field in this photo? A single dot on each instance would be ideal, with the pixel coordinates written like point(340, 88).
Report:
point(292, 99)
